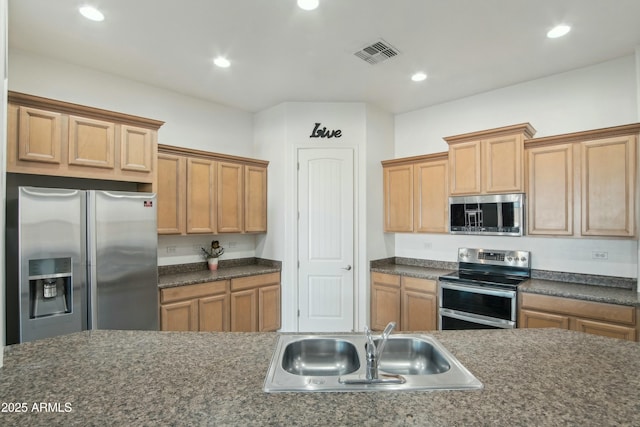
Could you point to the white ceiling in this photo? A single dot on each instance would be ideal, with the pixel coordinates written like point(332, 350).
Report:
point(281, 53)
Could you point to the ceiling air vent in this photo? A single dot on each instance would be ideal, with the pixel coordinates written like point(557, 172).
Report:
point(377, 52)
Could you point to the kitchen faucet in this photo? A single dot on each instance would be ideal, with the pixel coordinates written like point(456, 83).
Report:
point(374, 353)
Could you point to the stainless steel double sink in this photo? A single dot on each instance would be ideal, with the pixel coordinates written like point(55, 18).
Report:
point(321, 363)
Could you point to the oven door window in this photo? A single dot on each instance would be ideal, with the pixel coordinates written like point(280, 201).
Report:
point(449, 323)
point(468, 301)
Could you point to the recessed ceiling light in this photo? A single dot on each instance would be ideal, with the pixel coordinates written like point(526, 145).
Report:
point(558, 31)
point(92, 13)
point(308, 4)
point(418, 77)
point(222, 62)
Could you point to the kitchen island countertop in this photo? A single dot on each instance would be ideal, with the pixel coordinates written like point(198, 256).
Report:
point(531, 377)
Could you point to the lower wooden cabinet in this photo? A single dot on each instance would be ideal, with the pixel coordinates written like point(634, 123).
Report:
point(255, 303)
point(609, 320)
point(201, 307)
point(408, 301)
point(245, 304)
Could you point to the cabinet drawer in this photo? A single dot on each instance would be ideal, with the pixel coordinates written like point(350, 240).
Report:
point(578, 308)
point(385, 279)
point(193, 291)
point(421, 285)
point(255, 281)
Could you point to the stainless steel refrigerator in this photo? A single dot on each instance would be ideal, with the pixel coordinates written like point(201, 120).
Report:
point(81, 260)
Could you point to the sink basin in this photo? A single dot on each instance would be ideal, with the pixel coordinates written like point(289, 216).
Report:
point(337, 363)
point(320, 357)
point(411, 356)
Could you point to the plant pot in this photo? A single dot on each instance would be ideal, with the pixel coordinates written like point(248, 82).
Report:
point(213, 263)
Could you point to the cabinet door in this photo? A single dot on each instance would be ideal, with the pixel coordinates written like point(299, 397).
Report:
point(214, 313)
point(179, 316)
point(536, 319)
point(39, 135)
point(385, 301)
point(605, 329)
point(419, 311)
point(255, 199)
point(431, 197)
point(464, 168)
point(269, 308)
point(608, 186)
point(230, 197)
point(136, 149)
point(550, 190)
point(201, 211)
point(91, 143)
point(171, 194)
point(502, 169)
point(398, 198)
point(244, 311)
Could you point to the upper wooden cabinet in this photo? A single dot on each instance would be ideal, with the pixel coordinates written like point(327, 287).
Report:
point(583, 183)
point(489, 161)
point(49, 137)
point(416, 194)
point(205, 193)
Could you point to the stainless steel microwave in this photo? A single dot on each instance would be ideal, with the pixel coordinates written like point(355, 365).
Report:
point(495, 214)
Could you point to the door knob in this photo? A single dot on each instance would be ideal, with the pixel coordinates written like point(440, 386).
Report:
point(348, 267)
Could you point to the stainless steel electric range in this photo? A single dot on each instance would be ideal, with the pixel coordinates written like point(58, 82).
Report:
point(483, 293)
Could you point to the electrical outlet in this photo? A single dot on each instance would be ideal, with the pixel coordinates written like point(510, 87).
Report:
point(171, 249)
point(427, 245)
point(233, 244)
point(601, 255)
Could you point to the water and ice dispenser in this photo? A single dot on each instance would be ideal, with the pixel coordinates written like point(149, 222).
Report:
point(50, 287)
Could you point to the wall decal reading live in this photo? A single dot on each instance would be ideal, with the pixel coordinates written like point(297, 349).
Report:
point(324, 133)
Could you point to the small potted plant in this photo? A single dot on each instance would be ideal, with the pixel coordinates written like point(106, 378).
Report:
point(212, 254)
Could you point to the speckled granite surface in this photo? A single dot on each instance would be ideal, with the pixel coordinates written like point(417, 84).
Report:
point(423, 269)
point(606, 294)
point(531, 377)
point(190, 274)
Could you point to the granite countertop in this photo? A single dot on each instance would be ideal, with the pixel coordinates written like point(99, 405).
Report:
point(191, 274)
point(542, 377)
point(606, 294)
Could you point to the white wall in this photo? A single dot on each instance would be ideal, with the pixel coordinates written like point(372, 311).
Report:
point(593, 97)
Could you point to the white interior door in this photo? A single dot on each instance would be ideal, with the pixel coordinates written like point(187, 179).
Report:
point(325, 240)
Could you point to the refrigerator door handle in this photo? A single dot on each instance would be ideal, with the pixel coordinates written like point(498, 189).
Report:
point(92, 264)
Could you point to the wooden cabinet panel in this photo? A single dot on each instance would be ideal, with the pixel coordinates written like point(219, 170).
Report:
point(431, 197)
point(255, 199)
point(230, 197)
point(419, 311)
point(171, 193)
point(502, 169)
point(200, 208)
point(544, 311)
point(409, 301)
point(179, 316)
point(214, 313)
point(136, 149)
point(398, 198)
point(536, 319)
point(269, 312)
point(91, 142)
point(606, 329)
point(608, 186)
point(550, 190)
point(464, 168)
point(39, 135)
point(244, 311)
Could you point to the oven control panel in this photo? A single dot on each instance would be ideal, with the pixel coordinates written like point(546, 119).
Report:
point(501, 257)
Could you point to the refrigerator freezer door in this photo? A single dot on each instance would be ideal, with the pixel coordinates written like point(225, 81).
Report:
point(123, 263)
point(51, 262)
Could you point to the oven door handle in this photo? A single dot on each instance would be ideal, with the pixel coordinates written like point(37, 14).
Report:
point(478, 289)
point(476, 318)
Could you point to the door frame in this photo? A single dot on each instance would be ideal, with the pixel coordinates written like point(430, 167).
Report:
point(358, 295)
